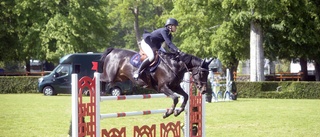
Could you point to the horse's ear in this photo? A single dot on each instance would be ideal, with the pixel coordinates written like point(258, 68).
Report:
point(209, 61)
point(205, 63)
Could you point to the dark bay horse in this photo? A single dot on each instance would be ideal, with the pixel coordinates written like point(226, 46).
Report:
point(166, 78)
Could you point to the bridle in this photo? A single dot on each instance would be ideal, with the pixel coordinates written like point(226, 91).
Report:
point(198, 71)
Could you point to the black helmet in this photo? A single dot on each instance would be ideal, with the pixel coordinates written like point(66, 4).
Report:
point(171, 21)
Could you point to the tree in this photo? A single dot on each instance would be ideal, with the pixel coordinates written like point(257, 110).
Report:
point(48, 30)
point(76, 26)
point(131, 18)
point(214, 28)
point(294, 33)
point(9, 45)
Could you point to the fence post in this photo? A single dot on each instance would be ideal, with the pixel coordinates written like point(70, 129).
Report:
point(74, 102)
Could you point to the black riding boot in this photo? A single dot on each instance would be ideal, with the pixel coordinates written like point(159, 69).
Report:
point(143, 65)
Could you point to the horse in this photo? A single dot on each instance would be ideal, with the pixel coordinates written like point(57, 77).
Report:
point(166, 78)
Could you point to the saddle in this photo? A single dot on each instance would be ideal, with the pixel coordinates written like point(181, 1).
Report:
point(137, 59)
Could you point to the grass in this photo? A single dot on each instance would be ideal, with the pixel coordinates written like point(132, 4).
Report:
point(35, 115)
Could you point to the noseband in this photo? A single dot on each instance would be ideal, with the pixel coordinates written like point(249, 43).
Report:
point(198, 70)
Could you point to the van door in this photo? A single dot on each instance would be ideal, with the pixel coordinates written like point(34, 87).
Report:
point(62, 78)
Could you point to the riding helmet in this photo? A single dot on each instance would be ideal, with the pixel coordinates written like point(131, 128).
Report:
point(171, 21)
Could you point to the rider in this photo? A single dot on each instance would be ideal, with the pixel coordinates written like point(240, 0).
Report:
point(152, 42)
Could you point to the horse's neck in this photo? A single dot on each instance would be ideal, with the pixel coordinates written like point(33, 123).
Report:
point(172, 63)
point(186, 64)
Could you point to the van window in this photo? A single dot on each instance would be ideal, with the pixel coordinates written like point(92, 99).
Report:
point(63, 70)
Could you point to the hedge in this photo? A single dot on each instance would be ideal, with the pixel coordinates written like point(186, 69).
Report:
point(18, 84)
point(276, 89)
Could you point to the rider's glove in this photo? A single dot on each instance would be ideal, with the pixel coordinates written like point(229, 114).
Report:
point(177, 54)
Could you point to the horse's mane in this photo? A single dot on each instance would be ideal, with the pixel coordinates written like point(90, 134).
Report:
point(168, 54)
point(189, 59)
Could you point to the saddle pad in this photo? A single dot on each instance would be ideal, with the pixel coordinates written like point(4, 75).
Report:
point(135, 61)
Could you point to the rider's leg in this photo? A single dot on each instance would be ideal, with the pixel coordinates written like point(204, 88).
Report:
point(144, 64)
point(150, 56)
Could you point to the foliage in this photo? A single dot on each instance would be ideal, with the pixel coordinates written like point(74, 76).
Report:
point(12, 66)
point(18, 84)
point(123, 15)
point(282, 66)
point(48, 30)
point(283, 90)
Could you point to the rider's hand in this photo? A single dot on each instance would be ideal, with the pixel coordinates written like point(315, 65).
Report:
point(177, 54)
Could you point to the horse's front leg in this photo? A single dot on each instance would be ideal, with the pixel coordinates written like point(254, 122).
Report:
point(168, 92)
point(181, 92)
point(173, 107)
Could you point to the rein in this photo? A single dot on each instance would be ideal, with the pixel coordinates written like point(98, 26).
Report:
point(188, 70)
point(168, 65)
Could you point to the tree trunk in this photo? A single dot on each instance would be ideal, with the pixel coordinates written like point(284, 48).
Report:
point(27, 61)
point(317, 70)
point(135, 12)
point(256, 53)
point(304, 69)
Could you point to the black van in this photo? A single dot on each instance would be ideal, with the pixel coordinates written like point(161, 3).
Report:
point(59, 80)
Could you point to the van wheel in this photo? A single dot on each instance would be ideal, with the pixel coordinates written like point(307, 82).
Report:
point(116, 91)
point(48, 91)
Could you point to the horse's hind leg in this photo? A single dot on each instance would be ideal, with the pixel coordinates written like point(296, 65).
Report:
point(181, 92)
point(175, 100)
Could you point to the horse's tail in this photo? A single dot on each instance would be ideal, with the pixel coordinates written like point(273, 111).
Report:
point(104, 55)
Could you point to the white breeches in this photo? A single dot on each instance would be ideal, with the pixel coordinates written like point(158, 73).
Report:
point(147, 50)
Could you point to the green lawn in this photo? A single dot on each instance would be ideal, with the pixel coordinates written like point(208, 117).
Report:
point(35, 115)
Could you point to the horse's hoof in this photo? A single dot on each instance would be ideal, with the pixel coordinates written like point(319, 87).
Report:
point(164, 116)
point(167, 114)
point(177, 113)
